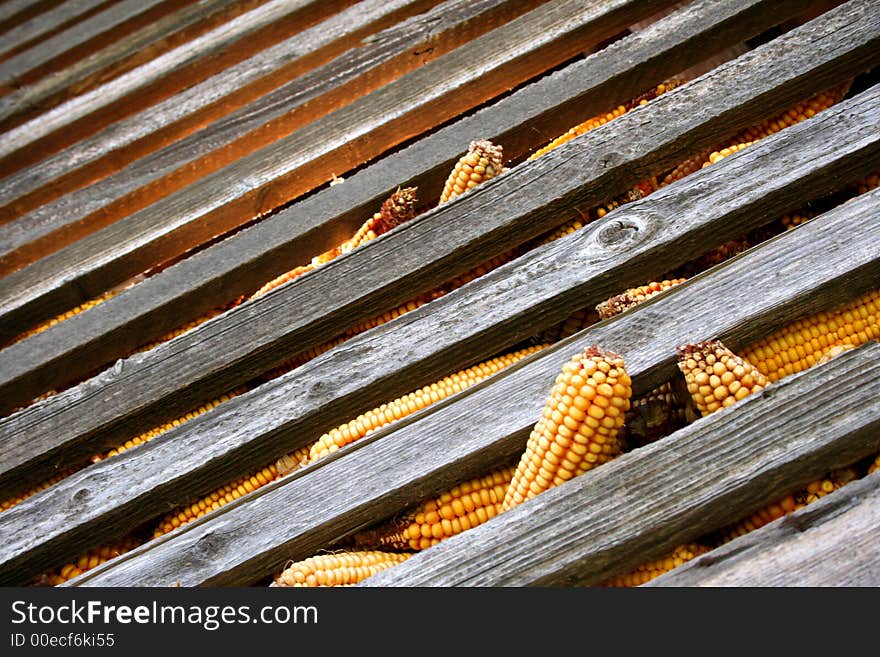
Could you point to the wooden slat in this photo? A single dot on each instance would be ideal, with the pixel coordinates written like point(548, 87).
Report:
point(137, 48)
point(430, 451)
point(45, 22)
point(645, 503)
point(81, 39)
point(832, 542)
point(310, 156)
point(358, 71)
point(531, 116)
point(377, 267)
point(160, 78)
point(14, 12)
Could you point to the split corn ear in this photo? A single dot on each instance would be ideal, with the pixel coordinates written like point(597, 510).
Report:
point(401, 407)
point(338, 569)
point(147, 436)
point(652, 569)
point(51, 481)
point(220, 497)
point(49, 323)
point(465, 506)
point(482, 162)
point(799, 345)
point(716, 377)
point(292, 462)
point(578, 427)
point(814, 491)
point(90, 560)
point(633, 297)
point(399, 208)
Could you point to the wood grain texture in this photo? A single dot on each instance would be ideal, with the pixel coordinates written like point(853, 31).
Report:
point(590, 175)
point(832, 542)
point(425, 454)
point(161, 77)
point(15, 12)
point(81, 38)
point(643, 504)
point(652, 237)
point(358, 71)
point(152, 40)
point(32, 29)
point(241, 264)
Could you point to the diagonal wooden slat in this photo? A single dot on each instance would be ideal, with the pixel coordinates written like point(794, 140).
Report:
point(449, 443)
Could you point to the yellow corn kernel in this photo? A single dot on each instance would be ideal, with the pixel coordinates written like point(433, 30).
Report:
point(482, 162)
point(90, 560)
point(372, 420)
point(49, 323)
point(687, 167)
point(716, 377)
point(633, 297)
point(800, 344)
point(338, 568)
point(795, 219)
point(648, 571)
point(51, 481)
point(292, 462)
point(397, 209)
point(286, 277)
point(578, 427)
point(465, 506)
point(814, 491)
point(220, 497)
point(869, 183)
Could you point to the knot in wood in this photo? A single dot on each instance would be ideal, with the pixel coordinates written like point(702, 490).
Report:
point(81, 496)
point(617, 232)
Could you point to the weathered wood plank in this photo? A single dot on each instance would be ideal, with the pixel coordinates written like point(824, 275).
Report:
point(138, 48)
point(534, 214)
point(14, 12)
point(546, 108)
point(449, 442)
point(273, 175)
point(45, 22)
point(645, 503)
point(81, 39)
point(832, 542)
point(386, 56)
point(30, 142)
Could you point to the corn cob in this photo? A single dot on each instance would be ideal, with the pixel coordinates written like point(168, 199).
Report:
point(397, 209)
point(51, 481)
point(292, 462)
point(633, 297)
point(727, 151)
point(147, 436)
point(338, 569)
point(578, 427)
point(716, 377)
point(799, 345)
point(869, 183)
point(482, 162)
point(648, 571)
point(686, 168)
point(465, 506)
point(218, 498)
point(814, 491)
point(401, 407)
point(795, 219)
point(49, 323)
point(278, 281)
point(653, 416)
point(602, 119)
point(577, 321)
point(91, 559)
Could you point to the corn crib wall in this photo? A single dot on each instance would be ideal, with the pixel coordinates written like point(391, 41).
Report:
point(171, 158)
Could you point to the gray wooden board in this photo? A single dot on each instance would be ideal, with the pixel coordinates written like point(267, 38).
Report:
point(832, 542)
point(394, 468)
point(44, 22)
point(652, 237)
point(358, 70)
point(13, 12)
point(77, 114)
point(202, 286)
point(39, 95)
point(271, 176)
point(242, 263)
point(643, 504)
point(113, 17)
